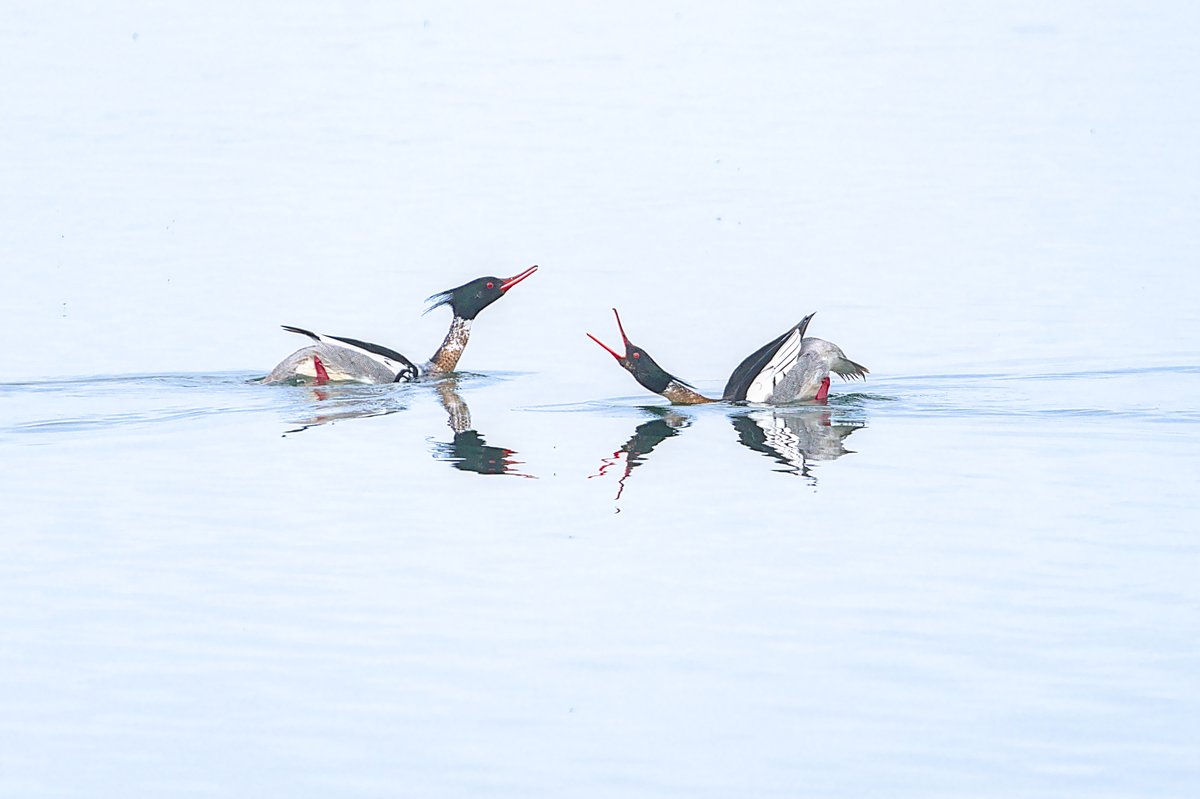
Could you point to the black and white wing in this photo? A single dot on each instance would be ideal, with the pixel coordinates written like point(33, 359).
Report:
point(755, 378)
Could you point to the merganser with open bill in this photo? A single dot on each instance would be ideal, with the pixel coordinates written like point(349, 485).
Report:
point(340, 359)
point(790, 368)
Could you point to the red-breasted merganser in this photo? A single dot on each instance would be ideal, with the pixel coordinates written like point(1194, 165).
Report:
point(336, 358)
point(791, 368)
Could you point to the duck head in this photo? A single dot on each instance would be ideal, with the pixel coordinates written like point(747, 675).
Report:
point(638, 362)
point(470, 298)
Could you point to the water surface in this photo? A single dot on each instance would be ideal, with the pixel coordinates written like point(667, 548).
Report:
point(216, 584)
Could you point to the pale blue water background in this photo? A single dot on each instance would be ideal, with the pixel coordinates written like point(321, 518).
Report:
point(979, 580)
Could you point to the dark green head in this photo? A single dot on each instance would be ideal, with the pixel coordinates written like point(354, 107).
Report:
point(638, 362)
point(470, 298)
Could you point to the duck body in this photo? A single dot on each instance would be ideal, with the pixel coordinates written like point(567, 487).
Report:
point(790, 368)
point(343, 359)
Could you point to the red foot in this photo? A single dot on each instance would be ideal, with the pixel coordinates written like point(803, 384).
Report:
point(823, 391)
point(323, 376)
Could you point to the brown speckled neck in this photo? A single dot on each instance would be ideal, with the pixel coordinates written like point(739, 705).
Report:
point(679, 394)
point(447, 355)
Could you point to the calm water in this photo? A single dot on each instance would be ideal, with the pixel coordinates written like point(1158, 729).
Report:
point(973, 575)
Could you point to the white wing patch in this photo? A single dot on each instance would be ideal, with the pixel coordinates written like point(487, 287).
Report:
point(764, 383)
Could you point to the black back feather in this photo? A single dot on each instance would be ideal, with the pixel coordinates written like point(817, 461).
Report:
point(378, 349)
point(302, 332)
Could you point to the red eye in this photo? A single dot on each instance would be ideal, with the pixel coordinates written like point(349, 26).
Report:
point(637, 355)
point(491, 284)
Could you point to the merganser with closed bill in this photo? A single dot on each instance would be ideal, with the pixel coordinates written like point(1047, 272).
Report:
point(340, 359)
point(790, 368)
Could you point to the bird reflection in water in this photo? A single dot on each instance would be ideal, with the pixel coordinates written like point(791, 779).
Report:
point(794, 437)
point(349, 401)
point(646, 436)
point(468, 451)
